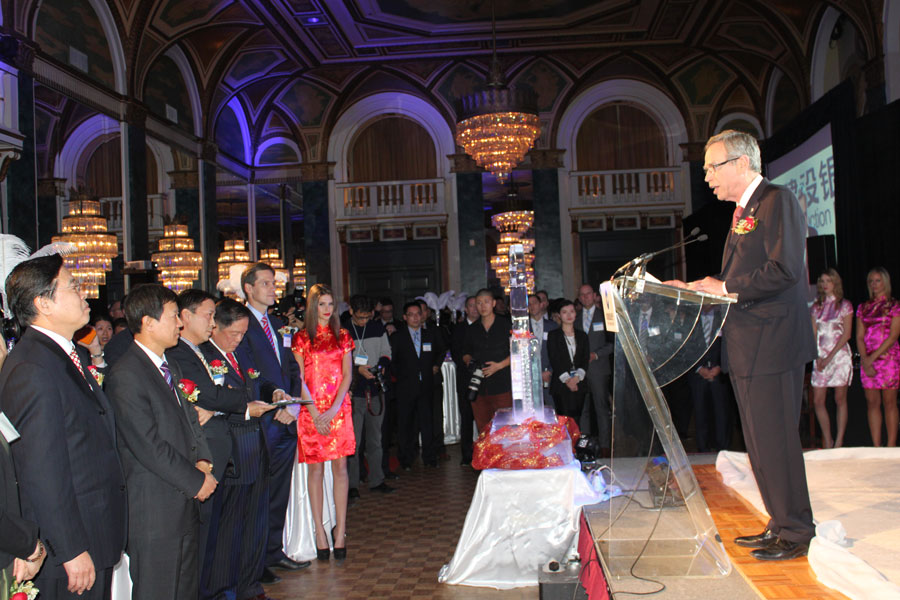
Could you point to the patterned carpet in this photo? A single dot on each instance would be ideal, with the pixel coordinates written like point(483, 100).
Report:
point(397, 543)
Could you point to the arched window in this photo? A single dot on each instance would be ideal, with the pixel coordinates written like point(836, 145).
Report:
point(103, 174)
point(392, 148)
point(620, 136)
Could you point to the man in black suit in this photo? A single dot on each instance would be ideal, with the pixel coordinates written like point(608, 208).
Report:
point(268, 346)
point(541, 327)
point(466, 418)
point(242, 502)
point(709, 389)
point(590, 320)
point(167, 462)
point(70, 478)
point(768, 335)
point(214, 405)
point(416, 359)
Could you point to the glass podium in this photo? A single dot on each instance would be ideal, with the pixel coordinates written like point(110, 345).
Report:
point(661, 524)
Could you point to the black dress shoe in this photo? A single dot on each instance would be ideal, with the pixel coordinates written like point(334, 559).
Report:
point(353, 493)
point(383, 488)
point(760, 540)
point(290, 565)
point(268, 577)
point(781, 550)
point(391, 475)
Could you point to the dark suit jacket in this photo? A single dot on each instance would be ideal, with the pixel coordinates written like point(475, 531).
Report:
point(160, 441)
point(249, 447)
point(217, 398)
point(768, 330)
point(407, 367)
point(548, 327)
point(601, 342)
point(117, 346)
point(71, 481)
point(457, 339)
point(256, 349)
point(561, 363)
point(18, 536)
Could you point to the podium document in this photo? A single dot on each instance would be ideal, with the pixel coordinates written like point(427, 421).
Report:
point(661, 524)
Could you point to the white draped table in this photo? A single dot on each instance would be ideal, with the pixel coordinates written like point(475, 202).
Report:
point(517, 522)
point(299, 533)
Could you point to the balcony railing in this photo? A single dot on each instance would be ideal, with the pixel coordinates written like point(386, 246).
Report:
point(390, 198)
point(625, 188)
point(156, 209)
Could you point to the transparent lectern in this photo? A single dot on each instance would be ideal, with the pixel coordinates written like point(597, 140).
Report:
point(661, 524)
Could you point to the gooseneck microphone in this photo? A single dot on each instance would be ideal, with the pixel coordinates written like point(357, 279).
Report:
point(642, 260)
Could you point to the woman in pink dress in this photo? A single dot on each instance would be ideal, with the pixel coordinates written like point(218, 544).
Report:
point(832, 319)
point(325, 428)
point(877, 328)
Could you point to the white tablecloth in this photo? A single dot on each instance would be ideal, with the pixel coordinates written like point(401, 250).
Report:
point(299, 534)
point(451, 409)
point(517, 522)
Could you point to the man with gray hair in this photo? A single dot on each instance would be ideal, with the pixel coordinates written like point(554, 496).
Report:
point(767, 337)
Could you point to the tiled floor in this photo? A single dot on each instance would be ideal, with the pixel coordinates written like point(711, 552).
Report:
point(397, 543)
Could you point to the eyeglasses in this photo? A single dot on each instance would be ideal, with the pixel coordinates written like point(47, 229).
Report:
point(715, 166)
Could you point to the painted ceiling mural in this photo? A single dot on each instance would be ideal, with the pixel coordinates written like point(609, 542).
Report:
point(294, 65)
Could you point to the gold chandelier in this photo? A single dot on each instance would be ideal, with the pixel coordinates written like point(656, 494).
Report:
point(234, 253)
point(300, 275)
point(272, 257)
point(497, 126)
point(179, 265)
point(512, 226)
point(85, 227)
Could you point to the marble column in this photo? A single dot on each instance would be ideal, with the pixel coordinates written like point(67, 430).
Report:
point(209, 238)
point(548, 267)
point(21, 178)
point(51, 193)
point(701, 195)
point(135, 224)
point(473, 263)
point(316, 229)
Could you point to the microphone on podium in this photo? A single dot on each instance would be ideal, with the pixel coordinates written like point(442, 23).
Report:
point(642, 260)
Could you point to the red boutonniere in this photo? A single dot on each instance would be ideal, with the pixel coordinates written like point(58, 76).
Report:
point(189, 389)
point(217, 367)
point(97, 374)
point(252, 373)
point(23, 591)
point(746, 225)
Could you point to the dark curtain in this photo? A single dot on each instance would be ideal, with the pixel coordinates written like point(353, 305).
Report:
point(392, 149)
point(619, 136)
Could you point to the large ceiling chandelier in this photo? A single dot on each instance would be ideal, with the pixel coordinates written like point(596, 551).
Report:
point(497, 126)
point(300, 275)
point(233, 254)
point(85, 227)
point(272, 257)
point(513, 226)
point(179, 265)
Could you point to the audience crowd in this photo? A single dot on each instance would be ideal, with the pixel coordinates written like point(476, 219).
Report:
point(171, 424)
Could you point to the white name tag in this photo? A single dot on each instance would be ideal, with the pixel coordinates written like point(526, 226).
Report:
point(286, 341)
point(6, 428)
point(361, 360)
point(545, 336)
point(678, 335)
point(426, 347)
point(219, 379)
point(653, 330)
point(598, 326)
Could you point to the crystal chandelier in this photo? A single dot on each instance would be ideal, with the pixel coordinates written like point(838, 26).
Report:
point(85, 227)
point(234, 253)
point(300, 275)
point(272, 257)
point(497, 126)
point(512, 226)
point(179, 265)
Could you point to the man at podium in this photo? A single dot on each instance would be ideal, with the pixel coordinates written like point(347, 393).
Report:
point(767, 338)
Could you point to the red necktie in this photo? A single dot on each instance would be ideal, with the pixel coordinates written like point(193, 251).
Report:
point(738, 210)
point(74, 356)
point(268, 331)
point(233, 361)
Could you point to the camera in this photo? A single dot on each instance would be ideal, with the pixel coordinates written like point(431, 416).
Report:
point(475, 380)
point(380, 378)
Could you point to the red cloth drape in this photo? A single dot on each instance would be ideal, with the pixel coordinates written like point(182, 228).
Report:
point(593, 580)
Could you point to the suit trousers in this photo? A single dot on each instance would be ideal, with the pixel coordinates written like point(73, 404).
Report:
point(164, 567)
point(414, 418)
point(598, 382)
point(711, 397)
point(770, 416)
point(363, 419)
point(56, 587)
point(281, 442)
point(466, 418)
point(210, 513)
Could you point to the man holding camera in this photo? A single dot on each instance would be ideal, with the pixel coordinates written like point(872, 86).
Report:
point(371, 358)
point(486, 349)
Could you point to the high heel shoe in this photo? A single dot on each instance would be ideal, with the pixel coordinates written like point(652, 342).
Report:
point(339, 553)
point(321, 554)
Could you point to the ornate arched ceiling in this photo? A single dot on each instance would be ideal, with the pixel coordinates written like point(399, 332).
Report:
point(295, 64)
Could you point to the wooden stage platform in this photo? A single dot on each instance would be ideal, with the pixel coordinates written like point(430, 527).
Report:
point(793, 579)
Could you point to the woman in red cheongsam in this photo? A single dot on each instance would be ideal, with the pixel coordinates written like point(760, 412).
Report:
point(325, 428)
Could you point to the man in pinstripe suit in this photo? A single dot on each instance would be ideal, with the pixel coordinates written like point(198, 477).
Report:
point(239, 555)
